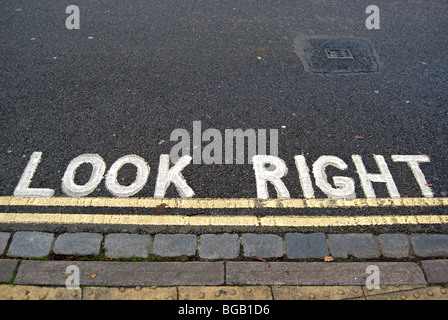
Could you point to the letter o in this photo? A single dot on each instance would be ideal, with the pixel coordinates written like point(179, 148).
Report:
point(119, 190)
point(68, 180)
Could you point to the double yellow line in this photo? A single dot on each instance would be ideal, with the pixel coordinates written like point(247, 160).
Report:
point(223, 203)
point(222, 220)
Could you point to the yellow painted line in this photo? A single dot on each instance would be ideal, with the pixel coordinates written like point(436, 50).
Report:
point(223, 203)
point(225, 220)
point(332, 221)
point(242, 221)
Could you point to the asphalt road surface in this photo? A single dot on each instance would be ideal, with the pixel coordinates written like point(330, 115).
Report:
point(135, 71)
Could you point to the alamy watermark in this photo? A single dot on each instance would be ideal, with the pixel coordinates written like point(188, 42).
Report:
point(373, 20)
point(73, 20)
point(213, 147)
point(373, 280)
point(72, 281)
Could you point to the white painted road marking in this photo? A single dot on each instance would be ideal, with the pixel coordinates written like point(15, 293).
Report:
point(263, 175)
point(367, 178)
point(173, 175)
point(23, 187)
point(68, 180)
point(413, 162)
point(304, 177)
point(127, 191)
point(345, 186)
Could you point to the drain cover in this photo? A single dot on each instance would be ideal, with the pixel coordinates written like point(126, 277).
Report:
point(338, 53)
point(320, 54)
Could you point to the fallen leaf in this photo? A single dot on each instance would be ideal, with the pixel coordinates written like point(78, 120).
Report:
point(258, 258)
point(160, 207)
point(93, 275)
point(262, 49)
point(428, 184)
point(261, 259)
point(65, 276)
point(359, 137)
point(328, 259)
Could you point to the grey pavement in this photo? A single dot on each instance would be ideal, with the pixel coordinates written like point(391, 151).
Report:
point(219, 246)
point(174, 245)
point(262, 245)
point(357, 245)
point(394, 245)
point(129, 260)
point(112, 273)
point(30, 244)
point(301, 246)
point(81, 244)
point(228, 246)
point(127, 245)
point(430, 245)
point(320, 273)
point(4, 237)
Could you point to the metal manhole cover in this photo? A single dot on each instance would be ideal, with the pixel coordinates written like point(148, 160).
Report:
point(322, 54)
point(336, 53)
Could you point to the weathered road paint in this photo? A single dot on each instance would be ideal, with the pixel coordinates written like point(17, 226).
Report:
point(267, 168)
point(240, 221)
point(413, 162)
point(23, 187)
point(345, 185)
point(69, 186)
point(167, 176)
point(140, 180)
point(222, 203)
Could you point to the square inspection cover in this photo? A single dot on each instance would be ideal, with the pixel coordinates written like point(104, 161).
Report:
point(336, 55)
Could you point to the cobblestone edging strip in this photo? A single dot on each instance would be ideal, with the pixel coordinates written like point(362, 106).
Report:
point(115, 274)
point(436, 270)
point(7, 268)
point(32, 244)
point(320, 273)
point(4, 237)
